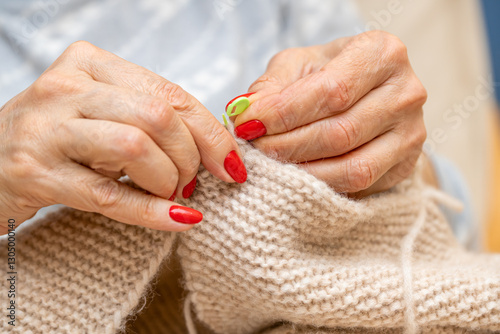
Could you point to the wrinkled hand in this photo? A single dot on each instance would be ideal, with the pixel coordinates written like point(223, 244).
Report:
point(93, 117)
point(349, 112)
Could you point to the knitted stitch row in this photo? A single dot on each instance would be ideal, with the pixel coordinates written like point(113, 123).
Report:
point(282, 253)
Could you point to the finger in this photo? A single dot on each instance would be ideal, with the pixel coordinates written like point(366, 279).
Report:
point(155, 117)
point(395, 175)
point(214, 142)
point(116, 147)
point(328, 92)
point(361, 168)
point(94, 192)
point(292, 64)
point(220, 154)
point(333, 136)
point(412, 148)
point(286, 67)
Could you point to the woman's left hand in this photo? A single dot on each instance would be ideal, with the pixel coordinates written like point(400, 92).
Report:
point(349, 112)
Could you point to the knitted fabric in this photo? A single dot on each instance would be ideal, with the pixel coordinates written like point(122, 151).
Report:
point(286, 247)
point(80, 272)
point(282, 253)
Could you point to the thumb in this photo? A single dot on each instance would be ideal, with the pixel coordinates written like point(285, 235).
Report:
point(283, 69)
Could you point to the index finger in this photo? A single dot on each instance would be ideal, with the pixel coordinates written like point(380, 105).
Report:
point(214, 142)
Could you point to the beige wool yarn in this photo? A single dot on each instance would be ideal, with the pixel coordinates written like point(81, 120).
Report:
point(282, 253)
point(286, 248)
point(80, 272)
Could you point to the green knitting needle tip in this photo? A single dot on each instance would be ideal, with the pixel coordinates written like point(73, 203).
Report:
point(236, 107)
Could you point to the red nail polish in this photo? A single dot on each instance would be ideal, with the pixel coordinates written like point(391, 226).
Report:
point(235, 167)
point(250, 130)
point(184, 215)
point(242, 95)
point(189, 188)
point(172, 197)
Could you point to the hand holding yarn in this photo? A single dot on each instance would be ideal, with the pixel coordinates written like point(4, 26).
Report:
point(92, 117)
point(349, 112)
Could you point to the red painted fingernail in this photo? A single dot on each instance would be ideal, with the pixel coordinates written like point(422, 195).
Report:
point(189, 188)
point(172, 197)
point(235, 167)
point(242, 95)
point(250, 130)
point(184, 215)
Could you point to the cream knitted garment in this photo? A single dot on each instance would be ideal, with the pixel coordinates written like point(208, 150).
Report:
point(282, 253)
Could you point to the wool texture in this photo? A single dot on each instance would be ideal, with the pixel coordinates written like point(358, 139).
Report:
point(281, 253)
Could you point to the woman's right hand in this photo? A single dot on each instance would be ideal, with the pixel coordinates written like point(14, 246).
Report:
point(92, 117)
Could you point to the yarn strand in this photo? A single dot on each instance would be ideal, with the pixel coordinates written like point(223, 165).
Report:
point(411, 326)
point(188, 316)
point(407, 245)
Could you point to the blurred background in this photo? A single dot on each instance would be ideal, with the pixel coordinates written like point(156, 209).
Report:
point(454, 47)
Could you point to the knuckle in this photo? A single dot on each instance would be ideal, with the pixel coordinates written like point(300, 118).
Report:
point(395, 48)
point(337, 94)
point(79, 48)
point(217, 138)
point(386, 43)
point(147, 211)
point(175, 95)
point(414, 94)
point(167, 184)
point(287, 119)
point(52, 83)
point(345, 134)
point(190, 164)
point(340, 135)
point(131, 144)
point(360, 173)
point(173, 177)
point(106, 193)
point(327, 141)
point(419, 92)
point(159, 114)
